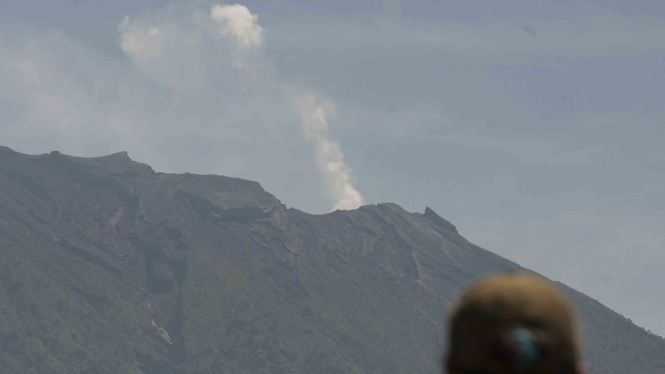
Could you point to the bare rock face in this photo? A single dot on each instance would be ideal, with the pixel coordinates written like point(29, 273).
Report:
point(109, 267)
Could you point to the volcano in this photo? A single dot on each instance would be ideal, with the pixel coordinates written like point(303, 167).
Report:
point(109, 267)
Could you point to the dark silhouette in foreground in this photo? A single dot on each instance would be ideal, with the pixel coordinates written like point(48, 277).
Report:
point(513, 324)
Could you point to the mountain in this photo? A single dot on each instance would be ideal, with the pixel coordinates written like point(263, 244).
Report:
point(109, 267)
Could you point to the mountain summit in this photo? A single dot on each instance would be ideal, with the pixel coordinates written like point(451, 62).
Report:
point(109, 267)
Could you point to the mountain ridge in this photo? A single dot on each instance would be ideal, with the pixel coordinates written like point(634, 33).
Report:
point(115, 267)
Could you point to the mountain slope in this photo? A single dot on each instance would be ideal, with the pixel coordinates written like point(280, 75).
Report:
point(109, 267)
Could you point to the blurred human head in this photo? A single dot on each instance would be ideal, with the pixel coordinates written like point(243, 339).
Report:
point(513, 323)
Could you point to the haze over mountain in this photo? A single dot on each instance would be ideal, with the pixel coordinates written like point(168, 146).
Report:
point(537, 127)
point(109, 267)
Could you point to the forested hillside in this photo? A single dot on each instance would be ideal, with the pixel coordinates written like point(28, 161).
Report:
point(109, 267)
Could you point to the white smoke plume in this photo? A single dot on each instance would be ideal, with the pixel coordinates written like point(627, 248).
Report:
point(195, 93)
point(140, 42)
point(328, 154)
point(238, 22)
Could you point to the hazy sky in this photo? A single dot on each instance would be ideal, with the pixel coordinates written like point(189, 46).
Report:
point(537, 127)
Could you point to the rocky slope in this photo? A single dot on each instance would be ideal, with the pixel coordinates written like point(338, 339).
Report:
point(109, 267)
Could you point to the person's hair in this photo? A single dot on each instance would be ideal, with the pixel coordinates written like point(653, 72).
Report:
point(512, 323)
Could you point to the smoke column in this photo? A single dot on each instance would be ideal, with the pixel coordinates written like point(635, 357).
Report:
point(329, 156)
point(166, 46)
point(238, 22)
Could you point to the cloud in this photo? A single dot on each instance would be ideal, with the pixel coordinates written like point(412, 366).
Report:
point(176, 47)
point(139, 42)
point(238, 22)
point(53, 103)
point(328, 154)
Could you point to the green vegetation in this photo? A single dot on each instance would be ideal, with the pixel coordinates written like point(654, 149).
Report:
point(107, 270)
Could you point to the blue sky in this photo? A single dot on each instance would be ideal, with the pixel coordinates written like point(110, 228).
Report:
point(535, 126)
